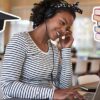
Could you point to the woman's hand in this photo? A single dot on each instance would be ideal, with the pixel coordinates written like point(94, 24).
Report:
point(67, 94)
point(67, 42)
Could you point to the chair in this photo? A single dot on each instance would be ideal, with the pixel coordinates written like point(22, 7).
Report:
point(88, 79)
point(95, 66)
point(81, 67)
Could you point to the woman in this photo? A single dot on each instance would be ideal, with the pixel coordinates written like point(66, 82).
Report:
point(33, 67)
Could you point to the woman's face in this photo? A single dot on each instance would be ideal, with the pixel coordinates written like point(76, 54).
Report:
point(58, 25)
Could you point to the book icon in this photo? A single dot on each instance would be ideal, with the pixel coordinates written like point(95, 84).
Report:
point(4, 17)
point(96, 18)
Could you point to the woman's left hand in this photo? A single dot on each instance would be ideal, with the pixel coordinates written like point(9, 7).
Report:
point(67, 42)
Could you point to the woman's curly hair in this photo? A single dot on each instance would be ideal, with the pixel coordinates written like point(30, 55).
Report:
point(41, 10)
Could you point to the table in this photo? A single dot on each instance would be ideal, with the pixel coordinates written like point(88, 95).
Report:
point(83, 92)
point(74, 87)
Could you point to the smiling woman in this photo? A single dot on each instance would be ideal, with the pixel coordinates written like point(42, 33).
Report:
point(33, 67)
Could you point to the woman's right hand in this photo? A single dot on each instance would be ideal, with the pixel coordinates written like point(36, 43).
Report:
point(67, 94)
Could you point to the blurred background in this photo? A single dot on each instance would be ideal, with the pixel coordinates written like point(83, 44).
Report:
point(85, 51)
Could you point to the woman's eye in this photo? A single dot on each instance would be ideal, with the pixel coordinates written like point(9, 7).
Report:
point(62, 23)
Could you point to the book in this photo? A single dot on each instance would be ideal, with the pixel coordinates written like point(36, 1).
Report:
point(96, 18)
point(97, 11)
point(97, 36)
point(98, 24)
point(97, 29)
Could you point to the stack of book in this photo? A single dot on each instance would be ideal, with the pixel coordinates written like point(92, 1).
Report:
point(96, 17)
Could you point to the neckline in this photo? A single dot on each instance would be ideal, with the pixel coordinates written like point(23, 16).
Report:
point(37, 46)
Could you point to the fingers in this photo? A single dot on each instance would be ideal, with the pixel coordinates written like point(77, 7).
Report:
point(74, 95)
point(67, 33)
point(69, 37)
point(66, 36)
point(77, 96)
point(67, 41)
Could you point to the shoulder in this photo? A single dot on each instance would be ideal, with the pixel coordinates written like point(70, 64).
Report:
point(17, 40)
point(19, 35)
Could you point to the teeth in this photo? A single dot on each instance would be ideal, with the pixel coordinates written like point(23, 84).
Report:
point(63, 37)
point(58, 33)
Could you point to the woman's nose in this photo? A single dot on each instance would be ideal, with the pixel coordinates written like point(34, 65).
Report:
point(65, 29)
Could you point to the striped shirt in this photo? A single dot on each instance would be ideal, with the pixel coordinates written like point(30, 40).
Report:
point(26, 69)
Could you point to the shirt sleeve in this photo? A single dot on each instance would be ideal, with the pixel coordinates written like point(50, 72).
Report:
point(11, 71)
point(64, 76)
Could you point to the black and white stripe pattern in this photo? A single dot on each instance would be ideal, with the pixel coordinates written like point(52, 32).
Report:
point(26, 69)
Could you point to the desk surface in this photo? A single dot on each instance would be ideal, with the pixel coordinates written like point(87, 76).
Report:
point(74, 87)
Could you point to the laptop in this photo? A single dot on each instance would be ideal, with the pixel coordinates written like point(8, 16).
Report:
point(93, 96)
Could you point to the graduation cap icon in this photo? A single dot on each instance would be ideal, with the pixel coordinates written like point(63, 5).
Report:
point(4, 17)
